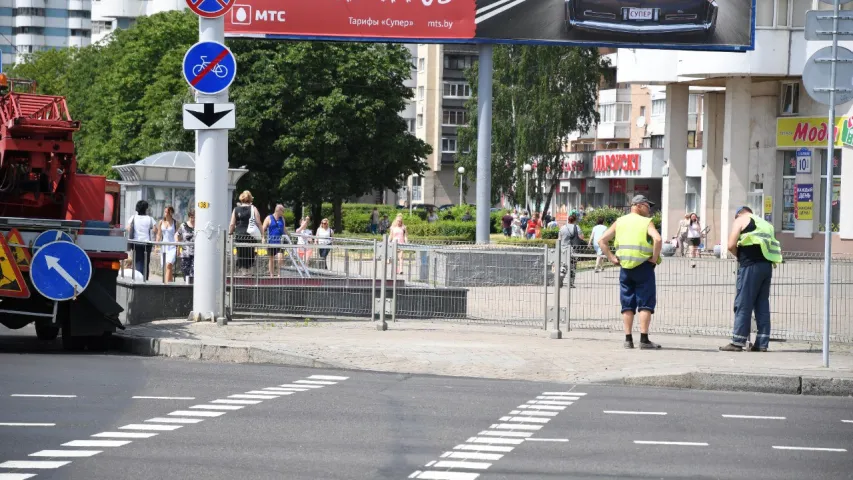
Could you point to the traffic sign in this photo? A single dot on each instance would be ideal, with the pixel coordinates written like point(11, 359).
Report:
point(817, 76)
point(819, 25)
point(20, 252)
point(209, 67)
point(209, 116)
point(210, 8)
point(12, 283)
point(48, 236)
point(60, 271)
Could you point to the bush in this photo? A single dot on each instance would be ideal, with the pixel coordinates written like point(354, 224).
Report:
point(550, 233)
point(444, 228)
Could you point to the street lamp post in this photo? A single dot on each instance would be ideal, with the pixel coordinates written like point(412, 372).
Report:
point(461, 171)
point(527, 168)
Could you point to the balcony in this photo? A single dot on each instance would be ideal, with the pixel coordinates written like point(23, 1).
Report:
point(87, 4)
point(27, 3)
point(614, 130)
point(23, 39)
point(615, 95)
point(29, 21)
point(115, 9)
point(80, 23)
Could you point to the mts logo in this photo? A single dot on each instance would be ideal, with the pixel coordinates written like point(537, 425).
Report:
point(243, 15)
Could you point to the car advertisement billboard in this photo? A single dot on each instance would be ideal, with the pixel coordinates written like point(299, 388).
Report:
point(721, 25)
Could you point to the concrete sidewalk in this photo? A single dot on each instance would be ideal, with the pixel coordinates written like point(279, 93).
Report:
point(500, 352)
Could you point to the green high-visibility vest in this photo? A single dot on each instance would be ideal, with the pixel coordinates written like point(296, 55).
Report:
point(633, 245)
point(765, 237)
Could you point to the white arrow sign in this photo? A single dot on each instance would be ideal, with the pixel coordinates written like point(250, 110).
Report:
point(53, 264)
point(209, 116)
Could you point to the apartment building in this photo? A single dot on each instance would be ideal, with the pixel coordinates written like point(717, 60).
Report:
point(27, 27)
point(109, 15)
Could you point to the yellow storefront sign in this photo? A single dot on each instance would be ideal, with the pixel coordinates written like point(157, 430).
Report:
point(796, 132)
point(805, 210)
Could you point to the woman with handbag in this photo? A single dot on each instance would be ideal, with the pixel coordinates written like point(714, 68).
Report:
point(571, 236)
point(245, 226)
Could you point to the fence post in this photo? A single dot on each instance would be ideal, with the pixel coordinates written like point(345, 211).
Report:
point(382, 326)
point(162, 263)
point(223, 314)
point(557, 333)
point(230, 254)
point(133, 260)
point(569, 294)
point(396, 266)
point(545, 269)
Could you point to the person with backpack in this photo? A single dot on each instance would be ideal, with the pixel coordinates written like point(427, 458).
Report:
point(571, 238)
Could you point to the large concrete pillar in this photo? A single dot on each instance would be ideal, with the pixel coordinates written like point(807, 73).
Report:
point(735, 178)
point(675, 156)
point(713, 127)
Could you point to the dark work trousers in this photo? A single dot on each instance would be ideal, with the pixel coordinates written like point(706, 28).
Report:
point(753, 295)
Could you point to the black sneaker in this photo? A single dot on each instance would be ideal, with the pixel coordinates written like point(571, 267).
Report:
point(754, 348)
point(731, 348)
point(629, 344)
point(649, 346)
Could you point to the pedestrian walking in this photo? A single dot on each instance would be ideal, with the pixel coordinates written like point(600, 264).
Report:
point(694, 237)
point(186, 233)
point(638, 246)
point(245, 222)
point(166, 230)
point(753, 242)
point(141, 229)
point(324, 237)
point(374, 221)
point(274, 229)
point(681, 238)
point(596, 234)
point(571, 238)
point(400, 236)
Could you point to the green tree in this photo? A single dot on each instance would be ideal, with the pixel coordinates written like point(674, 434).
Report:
point(540, 95)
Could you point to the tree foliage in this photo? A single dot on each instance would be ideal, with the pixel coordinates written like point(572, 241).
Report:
point(540, 95)
point(315, 121)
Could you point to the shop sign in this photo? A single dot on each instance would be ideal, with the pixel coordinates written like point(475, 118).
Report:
point(806, 131)
point(572, 166)
point(641, 188)
point(847, 132)
point(804, 201)
point(615, 162)
point(768, 208)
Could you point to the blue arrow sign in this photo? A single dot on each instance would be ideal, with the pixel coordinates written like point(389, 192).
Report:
point(209, 67)
point(49, 236)
point(60, 271)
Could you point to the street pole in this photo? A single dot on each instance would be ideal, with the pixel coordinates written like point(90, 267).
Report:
point(526, 191)
point(827, 230)
point(211, 186)
point(461, 171)
point(484, 144)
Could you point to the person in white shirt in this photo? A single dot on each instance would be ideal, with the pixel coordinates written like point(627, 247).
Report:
point(694, 237)
point(324, 237)
point(597, 231)
point(141, 228)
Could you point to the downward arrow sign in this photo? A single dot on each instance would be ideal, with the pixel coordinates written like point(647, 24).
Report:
point(208, 116)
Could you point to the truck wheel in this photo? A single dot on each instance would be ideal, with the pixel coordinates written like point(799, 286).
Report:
point(47, 333)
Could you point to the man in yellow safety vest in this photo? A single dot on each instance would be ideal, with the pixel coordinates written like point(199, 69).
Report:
point(638, 246)
point(754, 243)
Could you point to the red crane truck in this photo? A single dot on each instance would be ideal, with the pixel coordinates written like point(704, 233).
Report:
point(42, 190)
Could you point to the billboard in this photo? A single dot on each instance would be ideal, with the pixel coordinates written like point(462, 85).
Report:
point(726, 25)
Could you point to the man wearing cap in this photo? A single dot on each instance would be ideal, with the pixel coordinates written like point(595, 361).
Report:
point(638, 246)
point(754, 243)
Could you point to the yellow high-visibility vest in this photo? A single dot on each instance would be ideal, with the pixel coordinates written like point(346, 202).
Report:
point(633, 245)
point(765, 237)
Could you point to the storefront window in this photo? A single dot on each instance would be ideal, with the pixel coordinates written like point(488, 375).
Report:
point(789, 172)
point(836, 189)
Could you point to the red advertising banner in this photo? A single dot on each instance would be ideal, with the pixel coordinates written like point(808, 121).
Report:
point(416, 19)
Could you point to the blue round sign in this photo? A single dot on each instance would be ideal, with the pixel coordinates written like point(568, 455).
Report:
point(60, 270)
point(209, 67)
point(49, 236)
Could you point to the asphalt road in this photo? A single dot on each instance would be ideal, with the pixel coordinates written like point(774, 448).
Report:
point(545, 20)
point(318, 424)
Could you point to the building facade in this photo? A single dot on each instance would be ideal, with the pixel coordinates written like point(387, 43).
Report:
point(28, 26)
point(110, 15)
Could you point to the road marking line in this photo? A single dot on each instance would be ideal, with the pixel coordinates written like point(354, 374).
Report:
point(281, 389)
point(548, 402)
point(237, 402)
point(462, 464)
point(16, 476)
point(847, 421)
point(268, 393)
point(150, 426)
point(162, 398)
point(497, 11)
point(505, 434)
point(563, 440)
point(218, 407)
point(415, 474)
point(534, 412)
point(300, 385)
point(431, 475)
point(124, 435)
point(542, 407)
point(571, 394)
point(472, 455)
point(686, 444)
point(195, 413)
point(175, 420)
point(496, 440)
point(315, 382)
point(39, 464)
point(757, 417)
point(625, 412)
point(525, 419)
point(484, 448)
point(430, 463)
point(491, 6)
point(328, 377)
point(555, 397)
point(810, 449)
point(96, 443)
point(516, 426)
point(12, 424)
point(255, 397)
point(41, 396)
point(66, 453)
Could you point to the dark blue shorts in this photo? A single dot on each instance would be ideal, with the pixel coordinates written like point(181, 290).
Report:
point(637, 288)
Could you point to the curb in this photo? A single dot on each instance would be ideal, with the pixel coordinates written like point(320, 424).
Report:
point(736, 382)
point(194, 350)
